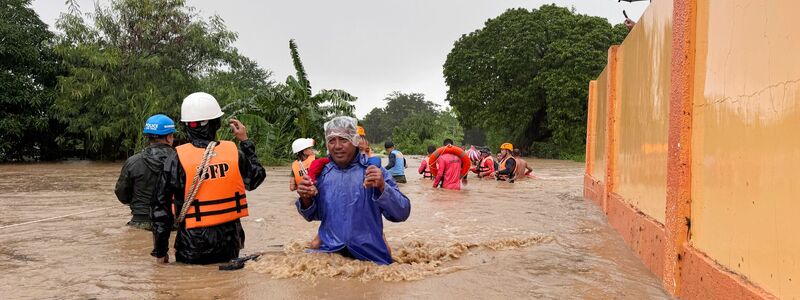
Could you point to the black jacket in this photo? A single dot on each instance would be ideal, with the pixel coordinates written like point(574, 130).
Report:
point(138, 179)
point(203, 245)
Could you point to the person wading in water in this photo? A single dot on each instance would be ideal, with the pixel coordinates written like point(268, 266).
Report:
point(139, 176)
point(449, 170)
point(508, 164)
point(351, 197)
point(397, 163)
point(212, 201)
point(424, 168)
point(522, 169)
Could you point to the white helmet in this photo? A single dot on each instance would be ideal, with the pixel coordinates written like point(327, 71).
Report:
point(301, 144)
point(200, 107)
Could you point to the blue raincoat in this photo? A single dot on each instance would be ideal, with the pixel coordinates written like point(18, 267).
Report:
point(351, 214)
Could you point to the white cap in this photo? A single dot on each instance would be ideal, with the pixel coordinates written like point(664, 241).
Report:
point(301, 144)
point(200, 107)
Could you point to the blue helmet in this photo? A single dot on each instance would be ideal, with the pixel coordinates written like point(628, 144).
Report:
point(159, 125)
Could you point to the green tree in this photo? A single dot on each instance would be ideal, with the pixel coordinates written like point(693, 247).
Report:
point(130, 60)
point(381, 122)
point(412, 123)
point(523, 77)
point(28, 69)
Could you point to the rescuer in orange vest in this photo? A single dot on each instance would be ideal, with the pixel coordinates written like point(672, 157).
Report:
point(508, 164)
point(211, 231)
point(304, 149)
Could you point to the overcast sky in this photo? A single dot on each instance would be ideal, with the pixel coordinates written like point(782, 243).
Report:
point(366, 47)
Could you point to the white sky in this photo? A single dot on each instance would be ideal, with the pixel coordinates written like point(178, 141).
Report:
point(366, 47)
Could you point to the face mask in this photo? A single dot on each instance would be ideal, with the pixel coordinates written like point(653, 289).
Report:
point(206, 130)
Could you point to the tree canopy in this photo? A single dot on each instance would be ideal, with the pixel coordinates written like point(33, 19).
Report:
point(28, 70)
point(87, 91)
point(131, 60)
point(412, 123)
point(523, 77)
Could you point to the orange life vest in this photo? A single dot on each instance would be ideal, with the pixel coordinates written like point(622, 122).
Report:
point(221, 198)
point(482, 168)
point(503, 165)
point(427, 172)
point(298, 172)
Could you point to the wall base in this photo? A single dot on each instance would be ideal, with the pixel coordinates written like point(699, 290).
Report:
point(643, 234)
point(703, 278)
point(593, 189)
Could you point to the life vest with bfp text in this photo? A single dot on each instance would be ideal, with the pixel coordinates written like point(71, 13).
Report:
point(299, 172)
point(221, 198)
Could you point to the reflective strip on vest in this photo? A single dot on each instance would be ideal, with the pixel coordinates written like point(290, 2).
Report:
point(221, 198)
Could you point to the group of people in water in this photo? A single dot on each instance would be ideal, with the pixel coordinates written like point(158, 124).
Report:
point(199, 189)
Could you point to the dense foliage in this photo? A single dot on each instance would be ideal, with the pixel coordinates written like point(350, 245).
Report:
point(523, 77)
point(412, 123)
point(128, 61)
point(28, 69)
point(87, 91)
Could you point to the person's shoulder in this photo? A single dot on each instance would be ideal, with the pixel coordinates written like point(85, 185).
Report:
point(133, 159)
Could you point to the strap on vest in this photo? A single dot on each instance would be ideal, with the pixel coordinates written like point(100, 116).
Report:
point(238, 208)
point(216, 212)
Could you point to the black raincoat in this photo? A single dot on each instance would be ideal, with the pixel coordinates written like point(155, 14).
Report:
point(203, 245)
point(139, 177)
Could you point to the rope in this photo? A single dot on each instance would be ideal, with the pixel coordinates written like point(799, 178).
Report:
point(199, 176)
point(53, 218)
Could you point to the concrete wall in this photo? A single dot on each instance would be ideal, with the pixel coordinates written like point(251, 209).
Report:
point(645, 60)
point(746, 140)
point(600, 107)
point(694, 164)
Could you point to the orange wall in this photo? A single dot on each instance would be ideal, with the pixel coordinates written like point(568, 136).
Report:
point(644, 91)
point(698, 156)
point(599, 143)
point(746, 140)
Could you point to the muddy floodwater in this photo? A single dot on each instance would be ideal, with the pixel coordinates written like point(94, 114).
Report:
point(534, 239)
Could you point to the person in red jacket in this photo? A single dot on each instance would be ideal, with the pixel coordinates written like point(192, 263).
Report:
point(424, 168)
point(449, 166)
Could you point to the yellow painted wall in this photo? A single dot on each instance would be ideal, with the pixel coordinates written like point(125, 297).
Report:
point(599, 159)
point(643, 118)
point(746, 140)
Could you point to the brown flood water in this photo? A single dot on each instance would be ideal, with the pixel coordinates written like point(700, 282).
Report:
point(530, 239)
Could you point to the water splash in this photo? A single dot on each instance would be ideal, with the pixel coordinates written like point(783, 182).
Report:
point(414, 260)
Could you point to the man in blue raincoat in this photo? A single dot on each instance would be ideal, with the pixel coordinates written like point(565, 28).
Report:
point(350, 196)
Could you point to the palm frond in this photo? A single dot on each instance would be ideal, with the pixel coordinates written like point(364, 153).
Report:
point(336, 102)
point(302, 77)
